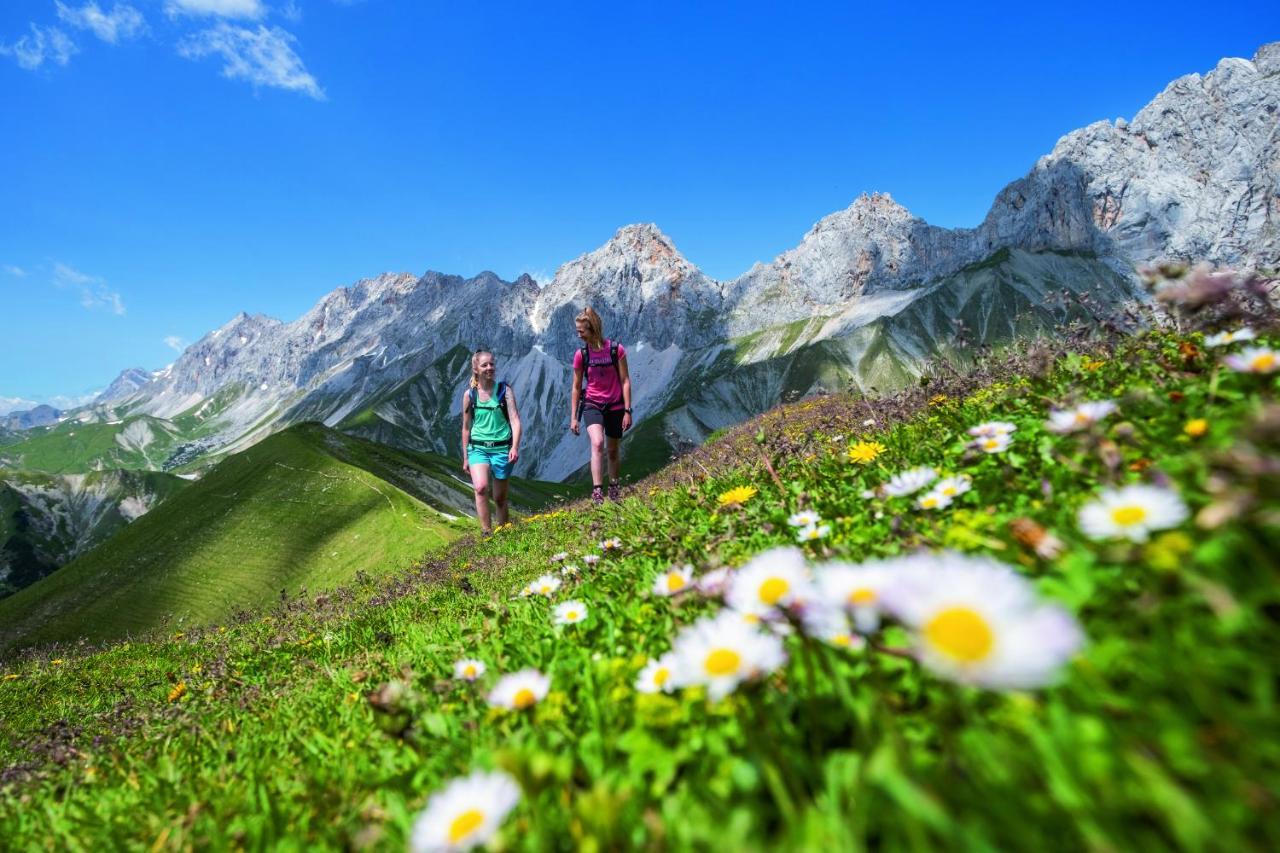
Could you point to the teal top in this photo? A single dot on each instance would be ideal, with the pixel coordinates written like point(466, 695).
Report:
point(488, 423)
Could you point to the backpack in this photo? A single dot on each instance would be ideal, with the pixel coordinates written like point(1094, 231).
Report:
point(501, 394)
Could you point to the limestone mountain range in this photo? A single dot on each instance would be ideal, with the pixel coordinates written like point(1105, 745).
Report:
point(869, 295)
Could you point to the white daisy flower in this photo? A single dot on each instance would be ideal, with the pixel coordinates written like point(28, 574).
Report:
point(527, 591)
point(992, 443)
point(1081, 417)
point(721, 652)
point(954, 486)
point(813, 532)
point(569, 571)
point(673, 580)
point(909, 481)
point(933, 500)
point(656, 675)
point(1222, 339)
point(858, 588)
point(993, 429)
point(613, 544)
point(570, 613)
point(867, 494)
point(468, 669)
point(715, 582)
point(560, 556)
point(519, 690)
point(466, 814)
point(976, 621)
point(775, 578)
point(831, 626)
point(1132, 512)
point(804, 518)
point(545, 585)
point(590, 559)
point(1254, 360)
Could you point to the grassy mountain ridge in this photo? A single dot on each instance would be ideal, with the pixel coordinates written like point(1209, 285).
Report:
point(307, 507)
point(338, 717)
point(46, 520)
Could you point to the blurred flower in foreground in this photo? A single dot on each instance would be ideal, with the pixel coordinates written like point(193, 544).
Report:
point(978, 622)
point(1081, 417)
point(992, 443)
point(813, 532)
point(804, 518)
point(673, 580)
point(737, 495)
point(1132, 512)
point(468, 669)
point(519, 690)
point(656, 675)
point(715, 582)
point(865, 451)
point(773, 579)
point(1254, 360)
point(954, 486)
point(570, 613)
point(909, 481)
point(467, 813)
point(1222, 339)
point(723, 651)
point(545, 585)
point(857, 588)
point(934, 500)
point(992, 429)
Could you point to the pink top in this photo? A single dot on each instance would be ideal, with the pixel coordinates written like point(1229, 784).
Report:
point(604, 385)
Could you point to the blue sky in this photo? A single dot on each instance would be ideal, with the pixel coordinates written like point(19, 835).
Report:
point(168, 163)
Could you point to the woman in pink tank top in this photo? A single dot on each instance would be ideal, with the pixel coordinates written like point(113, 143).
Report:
point(604, 404)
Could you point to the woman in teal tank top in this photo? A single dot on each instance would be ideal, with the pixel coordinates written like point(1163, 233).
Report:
point(490, 437)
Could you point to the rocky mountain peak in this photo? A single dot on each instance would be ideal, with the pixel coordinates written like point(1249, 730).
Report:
point(124, 385)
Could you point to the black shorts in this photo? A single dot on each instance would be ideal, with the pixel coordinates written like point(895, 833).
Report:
point(611, 419)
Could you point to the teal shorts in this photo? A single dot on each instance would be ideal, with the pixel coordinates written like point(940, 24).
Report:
point(494, 457)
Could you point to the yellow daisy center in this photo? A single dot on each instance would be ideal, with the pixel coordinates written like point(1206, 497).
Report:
point(1263, 361)
point(1082, 418)
point(469, 670)
point(465, 824)
point(1128, 515)
point(772, 590)
point(862, 597)
point(571, 615)
point(928, 502)
point(675, 581)
point(524, 698)
point(842, 640)
point(991, 443)
point(949, 491)
point(961, 634)
point(660, 677)
point(722, 662)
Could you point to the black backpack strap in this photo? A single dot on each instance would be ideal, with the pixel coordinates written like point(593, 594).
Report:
point(613, 354)
point(468, 400)
point(502, 400)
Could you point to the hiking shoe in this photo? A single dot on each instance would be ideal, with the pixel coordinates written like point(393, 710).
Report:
point(597, 495)
point(615, 494)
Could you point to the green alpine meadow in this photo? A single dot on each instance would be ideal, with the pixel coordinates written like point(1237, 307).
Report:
point(1028, 604)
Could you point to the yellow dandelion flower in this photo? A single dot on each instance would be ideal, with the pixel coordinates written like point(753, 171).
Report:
point(11, 676)
point(179, 690)
point(865, 451)
point(938, 399)
point(738, 495)
point(1196, 427)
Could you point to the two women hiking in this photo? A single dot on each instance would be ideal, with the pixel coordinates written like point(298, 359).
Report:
point(491, 422)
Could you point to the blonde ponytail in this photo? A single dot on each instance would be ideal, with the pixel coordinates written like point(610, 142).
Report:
point(475, 367)
point(595, 326)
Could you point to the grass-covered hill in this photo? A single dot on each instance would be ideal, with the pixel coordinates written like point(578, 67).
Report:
point(47, 520)
point(306, 508)
point(1044, 666)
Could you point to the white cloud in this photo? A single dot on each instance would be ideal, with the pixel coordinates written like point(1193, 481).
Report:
point(175, 342)
point(252, 9)
point(94, 292)
point(263, 57)
point(42, 43)
point(291, 12)
point(16, 272)
point(16, 404)
point(123, 21)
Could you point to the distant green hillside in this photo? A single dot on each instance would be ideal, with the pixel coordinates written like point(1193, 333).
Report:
point(47, 520)
point(307, 507)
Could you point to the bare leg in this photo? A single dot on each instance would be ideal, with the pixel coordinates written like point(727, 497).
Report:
point(500, 498)
point(480, 484)
point(615, 446)
point(596, 433)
